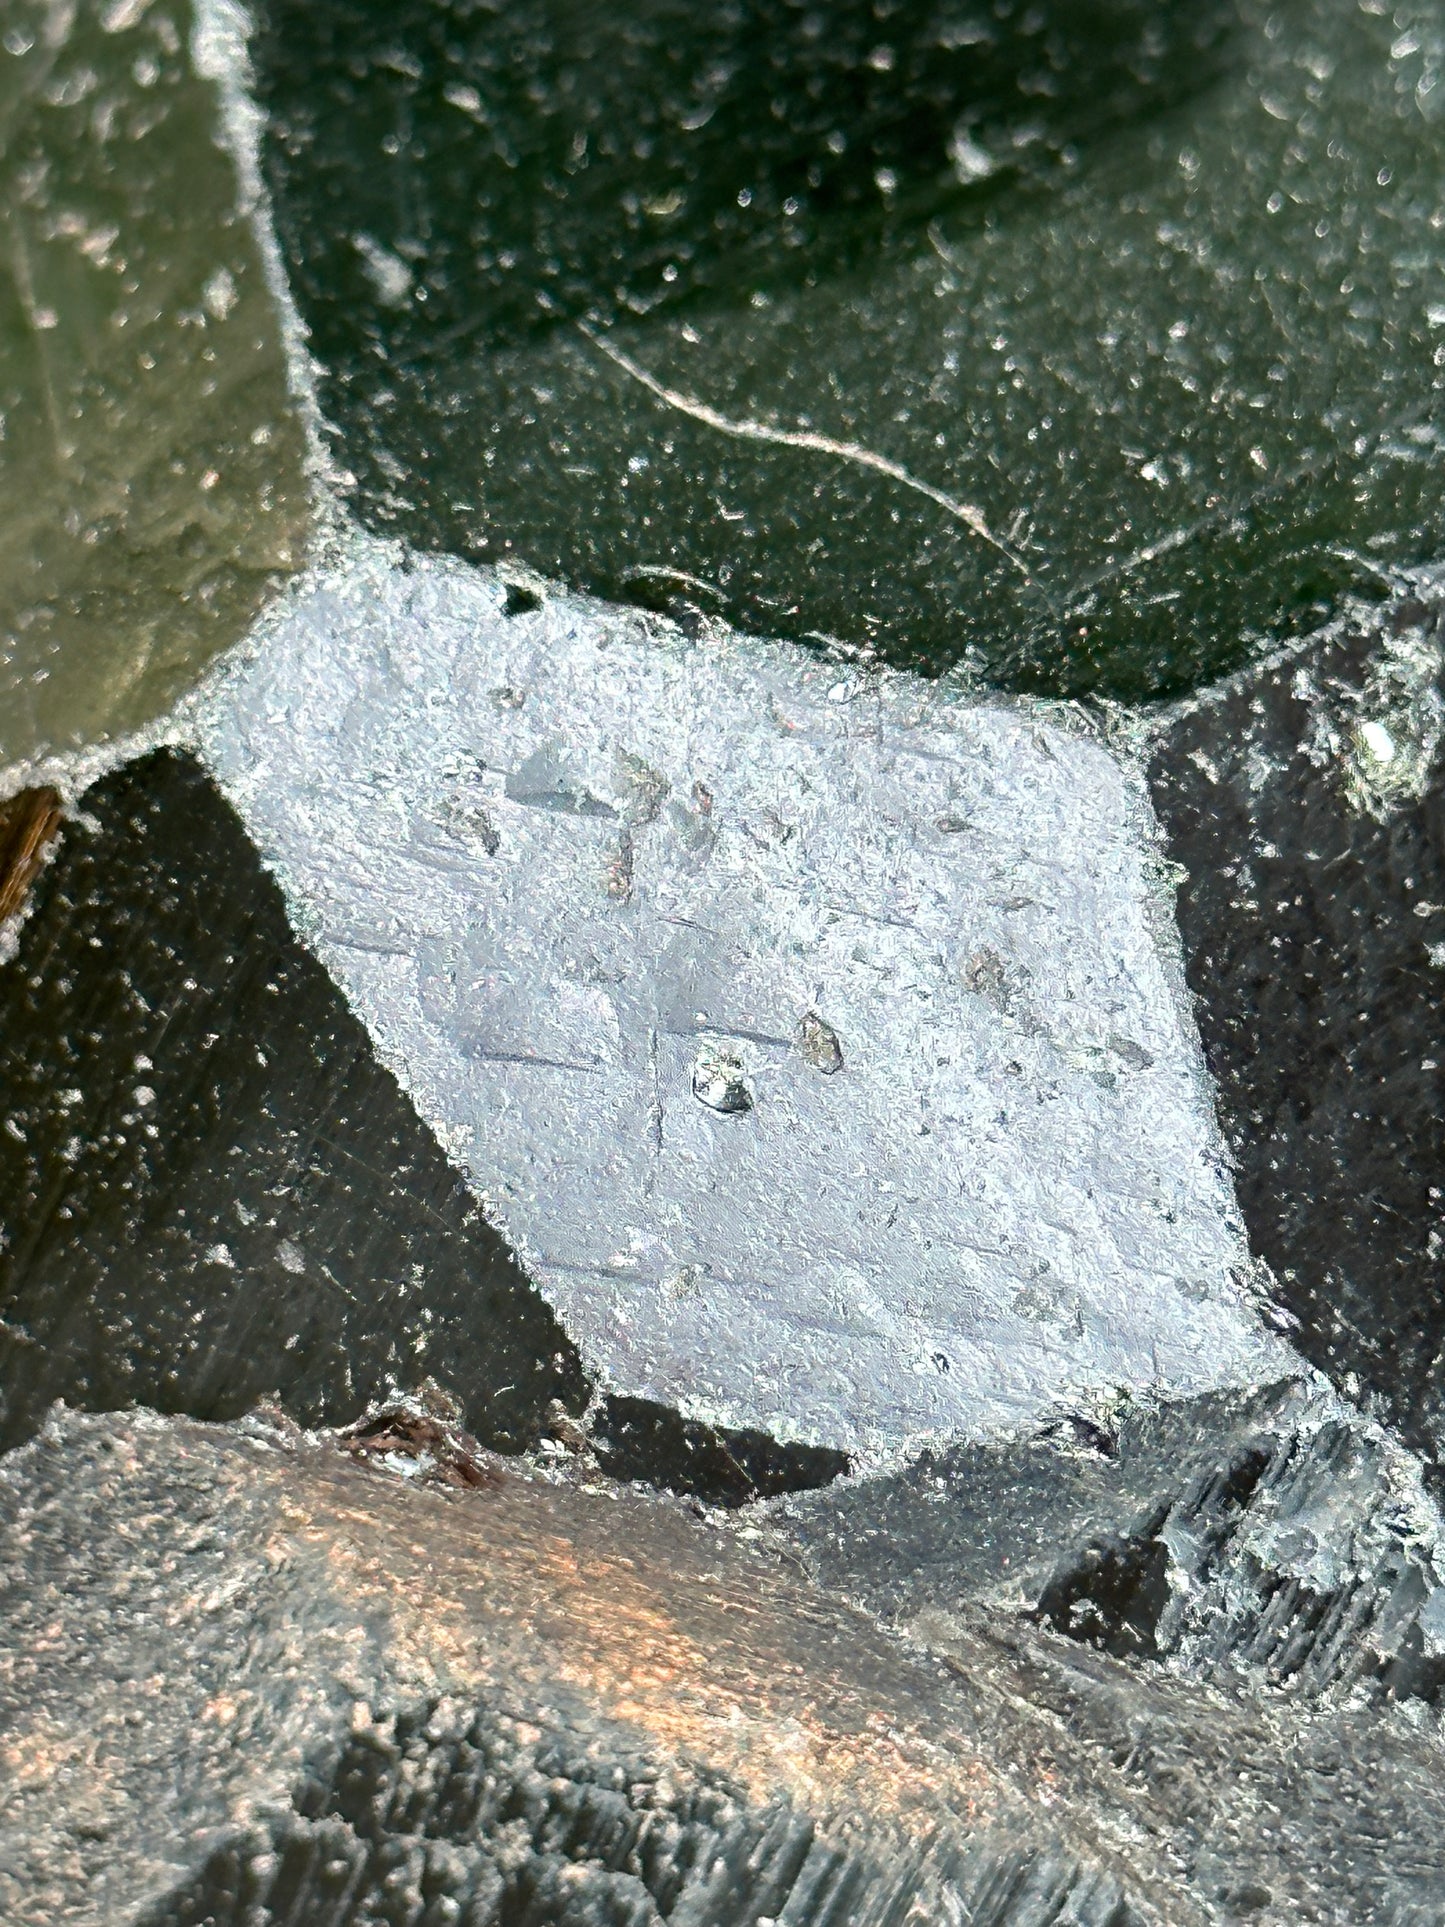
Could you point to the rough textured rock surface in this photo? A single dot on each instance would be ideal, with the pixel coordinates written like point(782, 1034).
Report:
point(1276, 1537)
point(1305, 807)
point(245, 1678)
point(152, 489)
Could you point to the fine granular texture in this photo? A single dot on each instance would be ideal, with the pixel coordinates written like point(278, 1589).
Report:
point(817, 1036)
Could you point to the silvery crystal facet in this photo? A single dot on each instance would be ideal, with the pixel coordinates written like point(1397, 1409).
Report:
point(814, 1033)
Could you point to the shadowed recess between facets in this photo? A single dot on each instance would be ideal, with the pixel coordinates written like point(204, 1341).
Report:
point(1273, 1536)
point(1305, 806)
point(214, 1194)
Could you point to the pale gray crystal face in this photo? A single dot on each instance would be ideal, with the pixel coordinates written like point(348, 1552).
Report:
point(815, 1035)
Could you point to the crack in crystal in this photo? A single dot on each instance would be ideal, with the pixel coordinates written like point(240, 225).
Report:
point(750, 431)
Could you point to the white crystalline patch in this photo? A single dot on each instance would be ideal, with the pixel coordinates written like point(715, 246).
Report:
point(810, 1033)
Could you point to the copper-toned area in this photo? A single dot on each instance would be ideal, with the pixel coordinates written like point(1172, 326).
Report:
point(193, 1619)
point(211, 1609)
point(29, 824)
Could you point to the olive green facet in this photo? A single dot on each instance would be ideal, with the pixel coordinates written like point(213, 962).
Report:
point(151, 467)
point(1086, 342)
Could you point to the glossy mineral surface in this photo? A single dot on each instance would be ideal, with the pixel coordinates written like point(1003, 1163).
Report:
point(151, 486)
point(1081, 343)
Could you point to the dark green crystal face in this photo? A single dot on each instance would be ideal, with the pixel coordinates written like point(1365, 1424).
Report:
point(1084, 344)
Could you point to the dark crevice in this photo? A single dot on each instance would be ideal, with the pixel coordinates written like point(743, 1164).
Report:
point(519, 600)
point(213, 1195)
point(662, 595)
point(1410, 1673)
point(1238, 1483)
point(636, 1438)
point(1114, 1596)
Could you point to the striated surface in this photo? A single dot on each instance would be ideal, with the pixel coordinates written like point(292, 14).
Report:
point(29, 822)
point(151, 469)
point(246, 1679)
point(1277, 1537)
point(814, 1036)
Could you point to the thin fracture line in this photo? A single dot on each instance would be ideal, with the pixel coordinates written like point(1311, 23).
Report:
point(747, 431)
point(1178, 538)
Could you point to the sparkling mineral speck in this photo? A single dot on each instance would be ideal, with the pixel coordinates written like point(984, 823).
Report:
point(719, 1083)
point(819, 1044)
